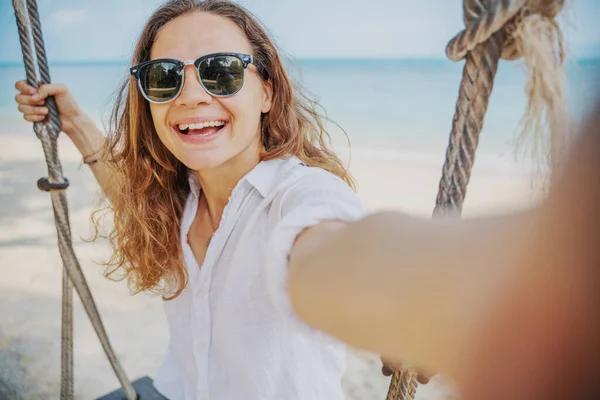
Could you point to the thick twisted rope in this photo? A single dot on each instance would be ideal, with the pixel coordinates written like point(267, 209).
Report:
point(476, 87)
point(403, 385)
point(48, 131)
point(40, 53)
point(482, 45)
point(66, 388)
point(495, 29)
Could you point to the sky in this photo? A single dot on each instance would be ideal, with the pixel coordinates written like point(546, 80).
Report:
point(90, 30)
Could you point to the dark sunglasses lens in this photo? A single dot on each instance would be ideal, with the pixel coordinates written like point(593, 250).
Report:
point(222, 75)
point(160, 81)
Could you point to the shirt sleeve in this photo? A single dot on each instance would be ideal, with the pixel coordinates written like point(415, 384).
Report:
point(317, 197)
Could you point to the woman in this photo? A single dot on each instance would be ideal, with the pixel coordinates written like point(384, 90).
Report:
point(220, 182)
point(216, 163)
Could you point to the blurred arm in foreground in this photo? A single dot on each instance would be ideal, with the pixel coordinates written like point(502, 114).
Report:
point(507, 306)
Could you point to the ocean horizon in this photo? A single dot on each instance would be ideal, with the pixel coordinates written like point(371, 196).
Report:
point(400, 105)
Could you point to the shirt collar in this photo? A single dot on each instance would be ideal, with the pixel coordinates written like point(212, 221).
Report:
point(263, 177)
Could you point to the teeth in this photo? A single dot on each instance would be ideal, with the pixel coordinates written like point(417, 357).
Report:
point(200, 125)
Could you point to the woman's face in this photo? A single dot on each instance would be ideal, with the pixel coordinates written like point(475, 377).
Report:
point(189, 37)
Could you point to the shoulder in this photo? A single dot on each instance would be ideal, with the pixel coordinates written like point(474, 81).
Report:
point(307, 187)
point(317, 179)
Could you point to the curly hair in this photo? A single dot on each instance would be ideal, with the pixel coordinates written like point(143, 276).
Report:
point(152, 183)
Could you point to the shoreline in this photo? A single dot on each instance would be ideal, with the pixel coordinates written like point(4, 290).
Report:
point(504, 159)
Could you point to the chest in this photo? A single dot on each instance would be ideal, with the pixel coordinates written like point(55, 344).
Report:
point(225, 262)
point(227, 292)
point(227, 270)
point(243, 231)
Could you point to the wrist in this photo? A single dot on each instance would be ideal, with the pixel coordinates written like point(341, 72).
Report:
point(86, 136)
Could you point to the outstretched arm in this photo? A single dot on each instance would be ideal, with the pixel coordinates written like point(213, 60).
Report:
point(403, 286)
point(434, 293)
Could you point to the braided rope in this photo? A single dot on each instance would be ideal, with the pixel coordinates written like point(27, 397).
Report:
point(48, 131)
point(25, 40)
point(480, 28)
point(481, 65)
point(66, 364)
point(38, 41)
point(486, 39)
point(66, 388)
point(403, 385)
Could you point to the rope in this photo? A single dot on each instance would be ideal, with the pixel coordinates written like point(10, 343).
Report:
point(48, 131)
point(403, 385)
point(40, 54)
point(493, 31)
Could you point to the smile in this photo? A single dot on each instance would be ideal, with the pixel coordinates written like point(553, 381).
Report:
point(200, 132)
point(202, 128)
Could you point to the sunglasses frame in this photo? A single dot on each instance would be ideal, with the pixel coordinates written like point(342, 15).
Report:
point(246, 60)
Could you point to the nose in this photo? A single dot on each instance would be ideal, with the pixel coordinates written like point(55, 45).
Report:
point(193, 93)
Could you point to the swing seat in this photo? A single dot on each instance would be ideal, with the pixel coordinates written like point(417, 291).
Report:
point(144, 387)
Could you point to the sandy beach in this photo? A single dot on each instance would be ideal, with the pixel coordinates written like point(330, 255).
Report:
point(30, 287)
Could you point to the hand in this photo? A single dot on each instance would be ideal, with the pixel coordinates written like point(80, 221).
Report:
point(391, 365)
point(31, 104)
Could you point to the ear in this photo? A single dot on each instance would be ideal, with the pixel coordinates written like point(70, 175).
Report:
point(267, 97)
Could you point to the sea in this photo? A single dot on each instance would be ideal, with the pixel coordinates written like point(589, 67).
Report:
point(383, 105)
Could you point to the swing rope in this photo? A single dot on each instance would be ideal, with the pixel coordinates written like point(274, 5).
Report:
point(509, 30)
point(47, 132)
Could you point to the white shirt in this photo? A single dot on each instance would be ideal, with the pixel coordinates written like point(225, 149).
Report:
point(233, 331)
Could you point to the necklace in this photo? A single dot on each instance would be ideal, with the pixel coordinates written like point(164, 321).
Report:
point(210, 220)
point(209, 239)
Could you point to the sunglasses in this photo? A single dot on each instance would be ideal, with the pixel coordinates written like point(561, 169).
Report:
point(221, 75)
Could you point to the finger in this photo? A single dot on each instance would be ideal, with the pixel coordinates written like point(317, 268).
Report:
point(28, 100)
point(393, 364)
point(25, 109)
point(424, 376)
point(23, 87)
point(389, 366)
point(52, 89)
point(386, 371)
point(33, 117)
point(422, 379)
